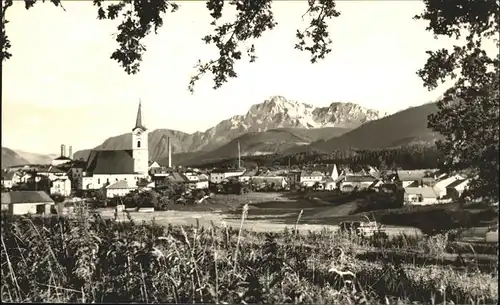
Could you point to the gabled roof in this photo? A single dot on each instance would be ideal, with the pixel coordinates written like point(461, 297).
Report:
point(457, 183)
point(42, 168)
point(414, 184)
point(55, 170)
point(375, 182)
point(202, 177)
point(311, 173)
point(111, 162)
point(177, 177)
point(359, 178)
point(426, 192)
point(250, 172)
point(26, 197)
point(410, 175)
point(122, 184)
point(62, 158)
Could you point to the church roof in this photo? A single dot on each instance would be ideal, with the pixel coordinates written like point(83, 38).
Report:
point(138, 120)
point(110, 162)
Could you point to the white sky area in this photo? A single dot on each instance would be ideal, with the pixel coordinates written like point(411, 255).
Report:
point(60, 86)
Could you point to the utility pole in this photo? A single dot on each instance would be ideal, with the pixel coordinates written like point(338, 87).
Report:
point(239, 156)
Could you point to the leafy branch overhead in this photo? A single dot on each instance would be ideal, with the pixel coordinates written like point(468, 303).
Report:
point(468, 112)
point(253, 17)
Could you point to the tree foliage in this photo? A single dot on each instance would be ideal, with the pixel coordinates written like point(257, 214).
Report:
point(468, 113)
point(138, 18)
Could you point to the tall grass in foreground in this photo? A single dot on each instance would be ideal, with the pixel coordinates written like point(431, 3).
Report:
point(89, 259)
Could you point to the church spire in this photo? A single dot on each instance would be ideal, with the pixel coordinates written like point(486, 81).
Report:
point(138, 120)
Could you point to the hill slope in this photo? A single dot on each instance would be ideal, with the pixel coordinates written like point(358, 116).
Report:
point(266, 142)
point(35, 158)
point(11, 158)
point(402, 128)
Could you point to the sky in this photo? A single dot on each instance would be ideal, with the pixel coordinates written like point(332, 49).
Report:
point(60, 85)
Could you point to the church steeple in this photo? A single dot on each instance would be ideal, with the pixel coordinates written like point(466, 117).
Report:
point(138, 120)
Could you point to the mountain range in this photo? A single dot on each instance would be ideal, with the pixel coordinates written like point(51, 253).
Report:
point(280, 125)
point(17, 157)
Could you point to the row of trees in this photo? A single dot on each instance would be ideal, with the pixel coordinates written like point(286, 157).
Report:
point(409, 157)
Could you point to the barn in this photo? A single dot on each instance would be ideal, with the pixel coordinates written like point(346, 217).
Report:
point(27, 202)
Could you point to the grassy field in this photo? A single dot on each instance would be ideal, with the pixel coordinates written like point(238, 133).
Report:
point(90, 259)
point(275, 211)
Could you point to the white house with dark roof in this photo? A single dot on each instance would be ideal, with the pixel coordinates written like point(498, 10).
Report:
point(105, 167)
point(27, 202)
point(120, 188)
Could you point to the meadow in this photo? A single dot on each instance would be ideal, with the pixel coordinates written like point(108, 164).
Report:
point(90, 259)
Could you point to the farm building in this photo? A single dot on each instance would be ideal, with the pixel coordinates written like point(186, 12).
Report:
point(457, 188)
point(277, 180)
point(219, 175)
point(27, 202)
point(310, 178)
point(411, 178)
point(441, 186)
point(422, 196)
point(351, 182)
point(119, 189)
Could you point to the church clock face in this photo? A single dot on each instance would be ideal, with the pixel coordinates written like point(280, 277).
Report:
point(138, 132)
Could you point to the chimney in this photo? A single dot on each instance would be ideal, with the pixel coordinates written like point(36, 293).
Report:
point(169, 147)
point(70, 153)
point(62, 150)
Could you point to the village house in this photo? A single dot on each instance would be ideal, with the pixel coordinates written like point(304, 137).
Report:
point(351, 182)
point(27, 202)
point(441, 186)
point(455, 189)
point(376, 185)
point(269, 178)
point(201, 184)
point(119, 189)
point(422, 196)
point(154, 164)
point(108, 166)
point(310, 178)
point(76, 174)
point(8, 179)
point(219, 175)
point(24, 178)
point(330, 184)
point(191, 176)
point(61, 186)
point(294, 177)
point(410, 178)
point(247, 175)
point(55, 173)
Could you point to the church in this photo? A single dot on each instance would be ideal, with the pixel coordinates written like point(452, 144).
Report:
point(106, 167)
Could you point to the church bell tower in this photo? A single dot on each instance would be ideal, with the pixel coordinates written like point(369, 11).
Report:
point(140, 151)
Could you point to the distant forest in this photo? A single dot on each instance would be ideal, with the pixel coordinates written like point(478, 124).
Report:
point(409, 157)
